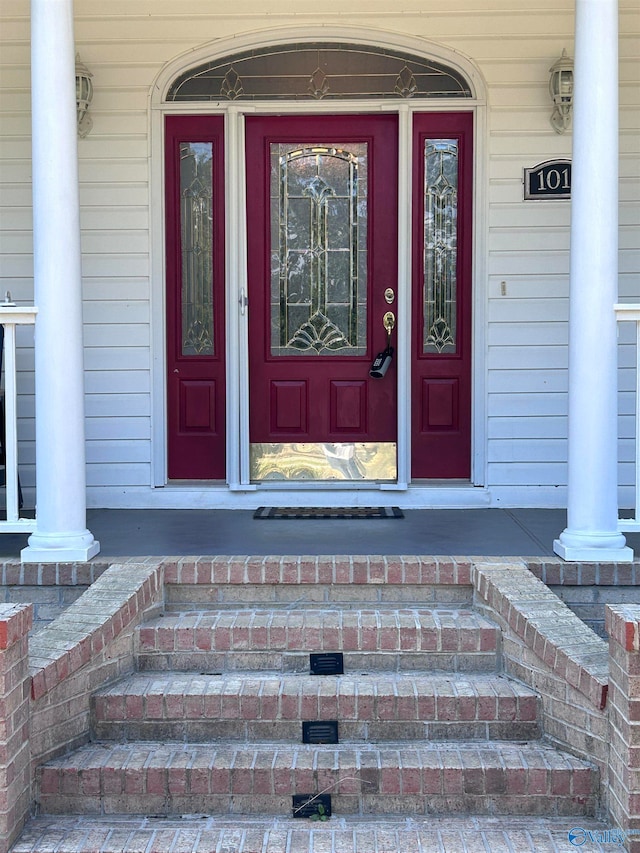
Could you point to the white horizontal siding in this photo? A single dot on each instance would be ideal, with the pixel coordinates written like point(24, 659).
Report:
point(527, 427)
point(115, 311)
point(527, 334)
point(522, 262)
point(507, 452)
point(100, 451)
point(124, 382)
point(540, 310)
point(126, 43)
point(103, 335)
point(121, 429)
point(538, 473)
point(105, 405)
point(542, 286)
point(508, 405)
point(117, 474)
point(116, 358)
point(527, 357)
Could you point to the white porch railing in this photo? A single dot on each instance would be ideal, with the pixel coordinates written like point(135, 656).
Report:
point(10, 317)
point(630, 312)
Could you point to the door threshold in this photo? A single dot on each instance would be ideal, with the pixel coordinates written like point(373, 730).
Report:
point(242, 497)
point(320, 485)
point(443, 484)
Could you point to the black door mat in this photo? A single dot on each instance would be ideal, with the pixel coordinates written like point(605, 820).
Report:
point(325, 512)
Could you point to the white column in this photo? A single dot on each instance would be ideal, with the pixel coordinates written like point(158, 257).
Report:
point(61, 532)
point(592, 508)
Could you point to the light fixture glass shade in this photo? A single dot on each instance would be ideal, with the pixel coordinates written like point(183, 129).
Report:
point(84, 96)
point(561, 91)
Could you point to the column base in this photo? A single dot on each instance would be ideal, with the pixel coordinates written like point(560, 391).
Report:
point(593, 548)
point(60, 548)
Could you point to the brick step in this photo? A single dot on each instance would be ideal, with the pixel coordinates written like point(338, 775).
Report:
point(258, 706)
point(177, 779)
point(206, 582)
point(252, 834)
point(281, 640)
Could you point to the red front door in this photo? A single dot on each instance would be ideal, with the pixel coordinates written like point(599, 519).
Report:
point(195, 206)
point(322, 273)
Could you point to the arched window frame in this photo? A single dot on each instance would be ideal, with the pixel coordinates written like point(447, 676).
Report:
point(318, 71)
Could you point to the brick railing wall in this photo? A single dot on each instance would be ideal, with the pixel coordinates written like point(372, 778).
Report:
point(546, 646)
point(50, 588)
point(46, 681)
point(623, 626)
point(587, 588)
point(89, 644)
point(15, 769)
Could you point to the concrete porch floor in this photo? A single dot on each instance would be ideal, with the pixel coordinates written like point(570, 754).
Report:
point(457, 532)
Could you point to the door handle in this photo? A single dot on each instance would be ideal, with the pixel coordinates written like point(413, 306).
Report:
point(389, 322)
point(382, 361)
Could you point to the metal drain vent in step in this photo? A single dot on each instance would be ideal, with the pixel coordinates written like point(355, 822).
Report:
point(312, 805)
point(320, 731)
point(326, 663)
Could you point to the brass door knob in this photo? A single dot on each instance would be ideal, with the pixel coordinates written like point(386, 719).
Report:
point(389, 321)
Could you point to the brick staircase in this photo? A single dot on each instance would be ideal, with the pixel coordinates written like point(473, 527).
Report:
point(211, 721)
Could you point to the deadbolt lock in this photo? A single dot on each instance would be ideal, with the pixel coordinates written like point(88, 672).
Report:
point(389, 296)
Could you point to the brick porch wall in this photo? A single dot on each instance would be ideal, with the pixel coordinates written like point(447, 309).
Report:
point(15, 768)
point(623, 626)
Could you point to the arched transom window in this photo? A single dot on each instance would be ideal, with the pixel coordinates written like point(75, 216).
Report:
point(321, 71)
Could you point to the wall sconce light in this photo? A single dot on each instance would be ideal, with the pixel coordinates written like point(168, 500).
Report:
point(84, 96)
point(561, 91)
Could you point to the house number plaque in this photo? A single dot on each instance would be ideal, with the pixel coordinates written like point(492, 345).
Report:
point(548, 180)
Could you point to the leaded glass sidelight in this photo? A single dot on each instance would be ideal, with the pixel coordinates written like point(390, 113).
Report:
point(196, 233)
point(440, 245)
point(318, 249)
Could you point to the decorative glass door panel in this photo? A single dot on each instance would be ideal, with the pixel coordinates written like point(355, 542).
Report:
point(441, 371)
point(196, 232)
point(319, 249)
point(322, 250)
point(441, 163)
point(195, 297)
